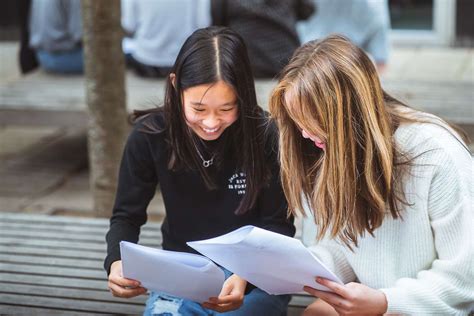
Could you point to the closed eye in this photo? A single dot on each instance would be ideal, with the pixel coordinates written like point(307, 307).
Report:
point(228, 107)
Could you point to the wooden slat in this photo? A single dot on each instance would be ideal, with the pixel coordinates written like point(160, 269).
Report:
point(36, 269)
point(55, 244)
point(98, 238)
point(65, 244)
point(69, 305)
point(7, 309)
point(4, 225)
point(52, 261)
point(146, 231)
point(60, 281)
point(37, 218)
point(53, 235)
point(49, 252)
point(68, 293)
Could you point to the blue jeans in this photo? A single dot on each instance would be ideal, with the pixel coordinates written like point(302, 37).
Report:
point(256, 303)
point(62, 62)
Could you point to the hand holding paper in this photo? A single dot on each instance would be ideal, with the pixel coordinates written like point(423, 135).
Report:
point(275, 263)
point(180, 274)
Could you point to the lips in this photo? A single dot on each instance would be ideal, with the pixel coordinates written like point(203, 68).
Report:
point(320, 144)
point(210, 130)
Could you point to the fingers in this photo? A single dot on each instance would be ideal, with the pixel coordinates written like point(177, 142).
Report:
point(122, 287)
point(224, 303)
point(335, 287)
point(119, 291)
point(222, 307)
point(226, 290)
point(227, 299)
point(116, 279)
point(331, 298)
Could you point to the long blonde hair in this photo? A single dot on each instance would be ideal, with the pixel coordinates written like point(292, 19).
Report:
point(331, 89)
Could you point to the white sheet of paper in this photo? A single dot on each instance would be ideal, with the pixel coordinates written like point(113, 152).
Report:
point(184, 275)
point(273, 262)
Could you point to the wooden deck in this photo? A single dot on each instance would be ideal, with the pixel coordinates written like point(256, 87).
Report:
point(52, 265)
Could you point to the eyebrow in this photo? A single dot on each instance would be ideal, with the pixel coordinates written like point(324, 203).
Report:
point(200, 103)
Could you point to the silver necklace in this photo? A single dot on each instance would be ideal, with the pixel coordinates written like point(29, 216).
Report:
point(205, 163)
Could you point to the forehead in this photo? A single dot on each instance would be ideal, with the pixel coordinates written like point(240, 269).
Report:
point(218, 92)
point(298, 108)
point(293, 105)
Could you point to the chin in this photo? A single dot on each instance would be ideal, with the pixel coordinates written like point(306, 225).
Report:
point(209, 137)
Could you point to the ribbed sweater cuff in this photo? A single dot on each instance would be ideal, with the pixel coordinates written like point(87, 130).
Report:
point(395, 297)
point(111, 258)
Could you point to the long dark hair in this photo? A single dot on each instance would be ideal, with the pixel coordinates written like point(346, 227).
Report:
point(209, 55)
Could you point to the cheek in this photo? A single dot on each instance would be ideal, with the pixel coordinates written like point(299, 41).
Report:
point(232, 117)
point(190, 117)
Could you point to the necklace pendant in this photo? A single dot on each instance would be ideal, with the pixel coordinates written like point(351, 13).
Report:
point(207, 163)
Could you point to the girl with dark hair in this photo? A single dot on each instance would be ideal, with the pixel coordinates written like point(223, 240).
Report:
point(213, 153)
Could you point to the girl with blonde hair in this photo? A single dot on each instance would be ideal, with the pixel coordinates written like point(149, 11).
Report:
point(390, 187)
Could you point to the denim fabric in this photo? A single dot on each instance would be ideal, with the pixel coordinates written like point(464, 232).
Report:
point(256, 303)
point(63, 62)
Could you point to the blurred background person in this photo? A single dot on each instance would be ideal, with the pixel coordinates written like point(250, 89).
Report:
point(55, 29)
point(156, 29)
point(365, 22)
point(268, 28)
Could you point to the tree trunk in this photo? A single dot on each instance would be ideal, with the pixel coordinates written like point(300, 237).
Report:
point(105, 95)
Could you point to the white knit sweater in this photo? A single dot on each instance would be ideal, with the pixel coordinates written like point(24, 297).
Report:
point(424, 263)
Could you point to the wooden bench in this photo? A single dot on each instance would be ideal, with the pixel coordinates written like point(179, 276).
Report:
point(52, 265)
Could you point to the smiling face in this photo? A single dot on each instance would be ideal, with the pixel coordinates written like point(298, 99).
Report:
point(210, 108)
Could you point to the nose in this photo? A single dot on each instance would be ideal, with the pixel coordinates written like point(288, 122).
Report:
point(305, 135)
point(211, 121)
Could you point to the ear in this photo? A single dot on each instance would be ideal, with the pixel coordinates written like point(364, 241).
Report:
point(173, 79)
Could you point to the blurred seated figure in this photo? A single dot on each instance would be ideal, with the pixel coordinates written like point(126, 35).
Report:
point(268, 28)
point(365, 22)
point(55, 28)
point(156, 29)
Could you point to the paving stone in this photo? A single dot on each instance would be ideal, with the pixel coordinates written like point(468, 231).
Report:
point(12, 203)
point(436, 64)
point(16, 139)
point(74, 198)
point(65, 153)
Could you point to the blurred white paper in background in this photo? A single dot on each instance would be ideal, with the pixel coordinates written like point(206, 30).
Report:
point(184, 275)
point(273, 262)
